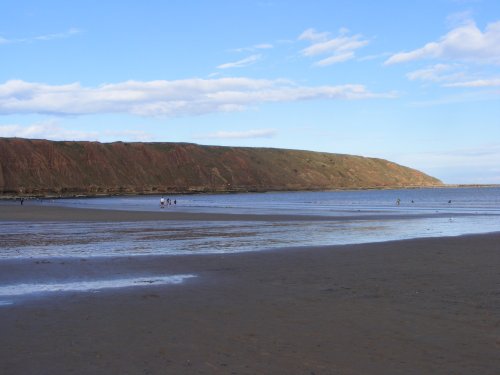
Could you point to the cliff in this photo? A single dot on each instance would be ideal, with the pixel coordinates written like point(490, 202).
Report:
point(40, 167)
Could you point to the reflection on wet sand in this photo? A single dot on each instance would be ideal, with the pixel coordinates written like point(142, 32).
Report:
point(90, 239)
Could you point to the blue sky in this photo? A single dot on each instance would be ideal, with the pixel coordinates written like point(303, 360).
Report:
point(417, 83)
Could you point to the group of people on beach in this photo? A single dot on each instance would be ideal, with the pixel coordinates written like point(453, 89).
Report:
point(398, 201)
point(167, 202)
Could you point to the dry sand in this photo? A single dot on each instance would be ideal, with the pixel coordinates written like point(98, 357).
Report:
point(426, 306)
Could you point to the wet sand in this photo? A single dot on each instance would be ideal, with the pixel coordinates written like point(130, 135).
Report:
point(51, 212)
point(404, 307)
point(12, 211)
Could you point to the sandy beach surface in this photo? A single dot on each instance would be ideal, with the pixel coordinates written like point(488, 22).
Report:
point(12, 211)
point(423, 306)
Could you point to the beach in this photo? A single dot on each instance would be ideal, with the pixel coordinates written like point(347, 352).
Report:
point(428, 305)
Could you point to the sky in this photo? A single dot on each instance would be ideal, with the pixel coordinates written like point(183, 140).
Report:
point(417, 83)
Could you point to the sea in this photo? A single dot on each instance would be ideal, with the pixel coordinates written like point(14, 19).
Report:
point(349, 217)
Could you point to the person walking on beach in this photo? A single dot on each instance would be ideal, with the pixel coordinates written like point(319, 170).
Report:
point(398, 201)
point(162, 202)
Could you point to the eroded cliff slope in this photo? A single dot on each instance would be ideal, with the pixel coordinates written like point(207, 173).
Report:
point(40, 167)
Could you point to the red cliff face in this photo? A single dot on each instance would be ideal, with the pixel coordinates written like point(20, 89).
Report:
point(41, 167)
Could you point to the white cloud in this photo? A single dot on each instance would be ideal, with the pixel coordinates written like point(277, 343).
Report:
point(375, 56)
point(491, 82)
point(452, 76)
point(62, 35)
point(254, 47)
point(257, 133)
point(241, 63)
point(52, 130)
point(46, 130)
point(214, 74)
point(463, 43)
point(165, 98)
point(432, 73)
point(263, 46)
point(313, 36)
point(338, 49)
point(45, 37)
point(437, 73)
point(335, 46)
point(335, 59)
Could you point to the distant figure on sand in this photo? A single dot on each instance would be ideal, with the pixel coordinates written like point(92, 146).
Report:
point(162, 202)
point(398, 201)
point(22, 201)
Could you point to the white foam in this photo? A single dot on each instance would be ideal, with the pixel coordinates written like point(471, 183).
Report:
point(5, 303)
point(86, 286)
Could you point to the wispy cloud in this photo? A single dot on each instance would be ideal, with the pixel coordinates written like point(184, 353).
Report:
point(335, 59)
point(314, 36)
point(491, 82)
point(52, 130)
point(464, 43)
point(263, 46)
point(458, 19)
point(255, 47)
point(338, 49)
point(375, 56)
point(477, 164)
point(486, 155)
point(452, 75)
point(63, 35)
point(256, 133)
point(437, 73)
point(45, 37)
point(241, 63)
point(460, 97)
point(187, 97)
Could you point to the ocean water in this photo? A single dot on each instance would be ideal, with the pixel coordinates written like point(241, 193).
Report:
point(412, 201)
point(350, 217)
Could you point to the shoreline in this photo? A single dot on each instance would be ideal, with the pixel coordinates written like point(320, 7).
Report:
point(83, 195)
point(428, 305)
point(48, 212)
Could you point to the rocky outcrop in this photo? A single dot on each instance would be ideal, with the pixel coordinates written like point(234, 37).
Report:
point(40, 167)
